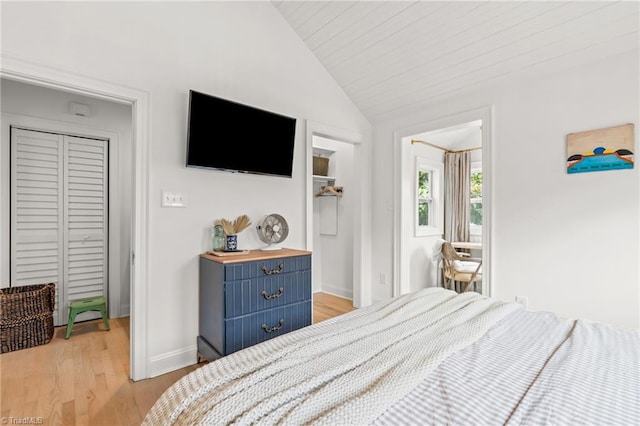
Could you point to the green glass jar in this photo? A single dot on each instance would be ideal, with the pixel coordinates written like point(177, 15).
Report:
point(217, 243)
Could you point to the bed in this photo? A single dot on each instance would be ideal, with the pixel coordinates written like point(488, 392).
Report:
point(429, 357)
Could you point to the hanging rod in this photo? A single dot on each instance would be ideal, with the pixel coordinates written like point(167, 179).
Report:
point(414, 141)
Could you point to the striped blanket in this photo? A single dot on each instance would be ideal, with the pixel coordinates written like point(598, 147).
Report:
point(427, 358)
point(348, 370)
point(532, 369)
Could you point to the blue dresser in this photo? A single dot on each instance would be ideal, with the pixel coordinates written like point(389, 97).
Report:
point(249, 298)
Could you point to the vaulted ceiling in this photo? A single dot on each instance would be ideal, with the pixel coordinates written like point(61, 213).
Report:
point(395, 57)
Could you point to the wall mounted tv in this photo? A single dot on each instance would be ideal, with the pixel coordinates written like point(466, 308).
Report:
point(226, 135)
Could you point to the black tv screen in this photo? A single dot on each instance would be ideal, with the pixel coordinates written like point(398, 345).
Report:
point(234, 137)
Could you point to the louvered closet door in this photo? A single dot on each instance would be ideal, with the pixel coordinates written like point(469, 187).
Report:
point(85, 220)
point(37, 231)
point(59, 216)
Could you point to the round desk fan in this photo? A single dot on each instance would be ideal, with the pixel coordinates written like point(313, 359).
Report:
point(272, 229)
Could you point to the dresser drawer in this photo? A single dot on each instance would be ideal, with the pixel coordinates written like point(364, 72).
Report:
point(248, 296)
point(242, 332)
point(267, 267)
point(238, 294)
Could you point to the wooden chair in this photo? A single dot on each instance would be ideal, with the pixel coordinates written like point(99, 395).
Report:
point(458, 268)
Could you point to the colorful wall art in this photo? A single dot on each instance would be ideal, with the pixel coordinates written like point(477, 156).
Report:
point(599, 150)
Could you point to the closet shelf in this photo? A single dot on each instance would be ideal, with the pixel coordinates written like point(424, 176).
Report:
point(322, 152)
point(318, 178)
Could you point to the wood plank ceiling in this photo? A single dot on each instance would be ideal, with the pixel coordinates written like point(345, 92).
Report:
point(395, 57)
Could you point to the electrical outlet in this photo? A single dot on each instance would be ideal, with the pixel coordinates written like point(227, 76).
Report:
point(522, 300)
point(174, 199)
point(383, 278)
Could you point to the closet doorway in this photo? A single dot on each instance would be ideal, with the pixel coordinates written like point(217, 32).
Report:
point(123, 118)
point(66, 196)
point(59, 215)
point(333, 218)
point(358, 191)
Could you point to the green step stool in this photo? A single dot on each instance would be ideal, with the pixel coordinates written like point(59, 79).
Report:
point(84, 305)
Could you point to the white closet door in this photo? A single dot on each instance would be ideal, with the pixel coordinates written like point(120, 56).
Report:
point(59, 216)
point(37, 210)
point(85, 220)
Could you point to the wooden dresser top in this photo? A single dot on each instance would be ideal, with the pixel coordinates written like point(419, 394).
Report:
point(253, 255)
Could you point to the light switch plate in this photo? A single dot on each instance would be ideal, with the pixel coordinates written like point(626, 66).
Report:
point(174, 199)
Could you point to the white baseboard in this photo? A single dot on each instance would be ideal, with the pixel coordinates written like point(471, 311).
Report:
point(125, 311)
point(336, 291)
point(171, 361)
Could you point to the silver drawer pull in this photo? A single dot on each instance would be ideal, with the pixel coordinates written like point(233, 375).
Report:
point(272, 271)
point(274, 328)
point(274, 295)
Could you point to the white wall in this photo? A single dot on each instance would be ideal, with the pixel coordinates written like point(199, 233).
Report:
point(570, 243)
point(242, 51)
point(333, 254)
point(33, 101)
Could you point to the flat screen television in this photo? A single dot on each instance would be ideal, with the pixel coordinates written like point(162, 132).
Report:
point(230, 136)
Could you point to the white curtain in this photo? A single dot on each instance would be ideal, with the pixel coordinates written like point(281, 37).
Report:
point(457, 175)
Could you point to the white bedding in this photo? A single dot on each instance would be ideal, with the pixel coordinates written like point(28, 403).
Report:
point(428, 358)
point(532, 369)
point(348, 370)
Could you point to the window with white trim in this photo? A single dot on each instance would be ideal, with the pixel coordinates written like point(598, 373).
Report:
point(425, 200)
point(428, 197)
point(475, 199)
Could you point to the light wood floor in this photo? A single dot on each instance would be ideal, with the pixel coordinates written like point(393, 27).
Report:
point(327, 306)
point(85, 380)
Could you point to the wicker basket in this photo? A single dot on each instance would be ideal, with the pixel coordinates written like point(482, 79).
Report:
point(26, 316)
point(320, 166)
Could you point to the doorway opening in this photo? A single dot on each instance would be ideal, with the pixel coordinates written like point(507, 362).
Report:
point(359, 255)
point(67, 181)
point(15, 69)
point(333, 208)
point(443, 174)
